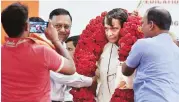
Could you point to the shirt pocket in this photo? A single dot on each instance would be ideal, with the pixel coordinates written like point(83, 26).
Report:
point(111, 82)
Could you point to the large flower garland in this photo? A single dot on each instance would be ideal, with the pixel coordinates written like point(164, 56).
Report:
point(90, 47)
point(130, 32)
point(87, 53)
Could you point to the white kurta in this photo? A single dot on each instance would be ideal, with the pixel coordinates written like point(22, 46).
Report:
point(108, 64)
point(110, 74)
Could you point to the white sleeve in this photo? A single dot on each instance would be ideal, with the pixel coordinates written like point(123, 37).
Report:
point(76, 80)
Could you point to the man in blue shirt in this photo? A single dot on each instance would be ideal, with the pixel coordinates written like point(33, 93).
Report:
point(155, 59)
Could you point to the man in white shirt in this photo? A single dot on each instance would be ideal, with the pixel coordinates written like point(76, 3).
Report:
point(62, 20)
point(71, 43)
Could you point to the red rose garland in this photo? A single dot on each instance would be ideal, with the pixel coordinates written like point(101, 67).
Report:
point(87, 53)
point(126, 95)
point(90, 46)
point(129, 35)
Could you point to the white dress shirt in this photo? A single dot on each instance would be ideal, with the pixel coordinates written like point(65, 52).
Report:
point(60, 84)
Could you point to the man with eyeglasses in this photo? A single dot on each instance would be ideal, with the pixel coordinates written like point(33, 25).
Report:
point(61, 84)
point(25, 63)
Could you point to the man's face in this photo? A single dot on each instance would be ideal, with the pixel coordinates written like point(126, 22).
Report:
point(63, 25)
point(70, 48)
point(112, 32)
point(146, 27)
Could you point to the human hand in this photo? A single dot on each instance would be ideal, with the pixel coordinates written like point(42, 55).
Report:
point(135, 13)
point(51, 32)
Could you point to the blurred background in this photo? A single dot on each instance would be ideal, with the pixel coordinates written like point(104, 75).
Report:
point(83, 11)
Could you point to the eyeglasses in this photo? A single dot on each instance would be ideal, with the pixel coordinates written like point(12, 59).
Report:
point(59, 26)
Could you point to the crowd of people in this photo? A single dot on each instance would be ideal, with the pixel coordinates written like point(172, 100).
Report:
point(41, 67)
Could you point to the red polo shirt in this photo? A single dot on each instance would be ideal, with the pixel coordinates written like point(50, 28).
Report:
point(25, 70)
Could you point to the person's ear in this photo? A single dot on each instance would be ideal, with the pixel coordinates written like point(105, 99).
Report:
point(151, 25)
point(27, 26)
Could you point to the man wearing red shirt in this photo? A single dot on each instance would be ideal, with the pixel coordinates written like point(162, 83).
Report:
point(26, 64)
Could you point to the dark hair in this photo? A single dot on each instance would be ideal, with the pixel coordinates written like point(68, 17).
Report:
point(36, 19)
point(74, 39)
point(160, 17)
point(117, 13)
point(14, 19)
point(59, 11)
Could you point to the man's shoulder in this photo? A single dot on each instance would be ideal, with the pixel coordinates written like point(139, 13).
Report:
point(141, 42)
point(145, 41)
point(40, 47)
point(40, 50)
point(142, 45)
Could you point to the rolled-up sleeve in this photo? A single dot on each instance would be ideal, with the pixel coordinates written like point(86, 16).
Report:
point(136, 53)
point(52, 60)
point(76, 80)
